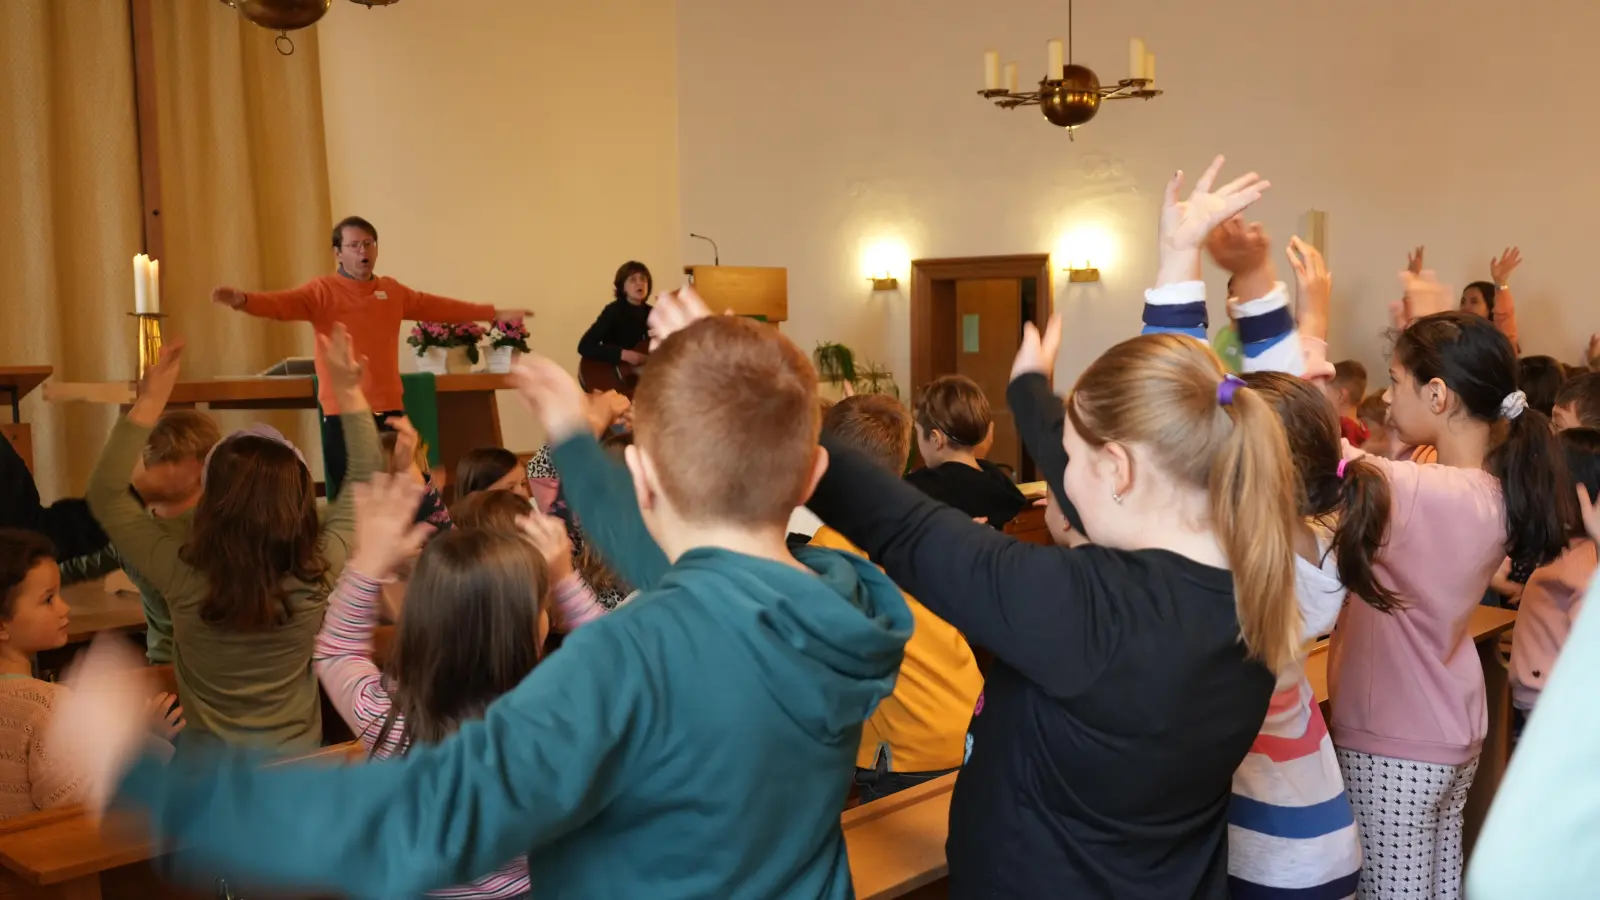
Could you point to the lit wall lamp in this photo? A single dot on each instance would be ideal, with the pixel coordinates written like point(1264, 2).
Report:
point(1082, 272)
point(884, 282)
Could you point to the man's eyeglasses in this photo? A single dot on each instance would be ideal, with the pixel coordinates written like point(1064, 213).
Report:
point(361, 245)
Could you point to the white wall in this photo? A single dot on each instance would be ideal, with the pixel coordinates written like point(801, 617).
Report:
point(510, 152)
point(811, 133)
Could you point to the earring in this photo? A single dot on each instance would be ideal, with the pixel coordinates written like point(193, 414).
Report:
point(1116, 497)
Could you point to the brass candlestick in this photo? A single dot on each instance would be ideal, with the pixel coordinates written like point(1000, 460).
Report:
point(149, 340)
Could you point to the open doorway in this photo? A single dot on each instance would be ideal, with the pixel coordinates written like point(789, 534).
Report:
point(966, 319)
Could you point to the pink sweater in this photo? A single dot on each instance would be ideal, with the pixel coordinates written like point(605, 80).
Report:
point(1550, 604)
point(1408, 684)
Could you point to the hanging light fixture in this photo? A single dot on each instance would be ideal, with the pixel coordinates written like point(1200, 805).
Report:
point(1069, 95)
point(284, 16)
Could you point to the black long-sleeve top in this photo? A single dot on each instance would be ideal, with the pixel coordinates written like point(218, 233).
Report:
point(1120, 703)
point(1041, 418)
point(620, 326)
point(67, 523)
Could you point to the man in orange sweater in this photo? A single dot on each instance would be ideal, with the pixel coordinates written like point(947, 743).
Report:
point(371, 307)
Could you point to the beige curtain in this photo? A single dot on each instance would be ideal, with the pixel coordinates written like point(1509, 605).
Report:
point(244, 201)
point(69, 214)
point(244, 185)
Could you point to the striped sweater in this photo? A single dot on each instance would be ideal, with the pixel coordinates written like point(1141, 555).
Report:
point(355, 686)
point(1291, 832)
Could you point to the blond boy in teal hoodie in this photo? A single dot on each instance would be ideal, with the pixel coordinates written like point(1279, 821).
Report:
point(696, 742)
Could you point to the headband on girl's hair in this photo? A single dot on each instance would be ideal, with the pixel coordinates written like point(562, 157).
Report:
point(258, 430)
point(1229, 386)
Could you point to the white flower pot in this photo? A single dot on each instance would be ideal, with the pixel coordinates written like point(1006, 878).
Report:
point(432, 360)
point(500, 360)
point(456, 361)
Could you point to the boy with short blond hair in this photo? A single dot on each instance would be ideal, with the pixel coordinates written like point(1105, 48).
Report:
point(696, 742)
point(918, 733)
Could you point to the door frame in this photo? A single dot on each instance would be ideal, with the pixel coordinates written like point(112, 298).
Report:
point(925, 272)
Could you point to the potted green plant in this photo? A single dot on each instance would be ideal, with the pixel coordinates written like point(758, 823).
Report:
point(506, 336)
point(874, 378)
point(836, 363)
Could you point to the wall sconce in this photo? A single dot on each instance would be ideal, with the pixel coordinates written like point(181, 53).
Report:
point(884, 282)
point(1082, 273)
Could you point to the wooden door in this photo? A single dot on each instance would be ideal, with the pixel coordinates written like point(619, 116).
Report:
point(988, 327)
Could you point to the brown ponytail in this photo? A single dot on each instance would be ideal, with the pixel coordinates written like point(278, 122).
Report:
point(1356, 505)
point(1253, 511)
point(1160, 391)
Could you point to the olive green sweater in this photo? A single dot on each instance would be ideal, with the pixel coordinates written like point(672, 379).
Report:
point(252, 688)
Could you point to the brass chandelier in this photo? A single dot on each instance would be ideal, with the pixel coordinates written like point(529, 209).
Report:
point(284, 16)
point(1069, 95)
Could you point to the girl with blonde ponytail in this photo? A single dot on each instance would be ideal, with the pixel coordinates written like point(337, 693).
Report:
point(1131, 675)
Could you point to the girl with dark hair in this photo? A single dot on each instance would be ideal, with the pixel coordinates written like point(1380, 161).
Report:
point(491, 469)
point(1492, 300)
point(476, 615)
point(248, 582)
point(1500, 488)
point(623, 325)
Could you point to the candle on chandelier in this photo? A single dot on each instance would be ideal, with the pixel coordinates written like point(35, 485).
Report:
point(1136, 58)
point(1011, 77)
point(991, 70)
point(1150, 71)
point(1053, 60)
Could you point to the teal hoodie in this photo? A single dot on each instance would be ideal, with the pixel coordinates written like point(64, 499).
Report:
point(696, 742)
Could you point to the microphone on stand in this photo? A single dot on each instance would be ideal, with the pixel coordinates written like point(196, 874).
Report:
point(716, 255)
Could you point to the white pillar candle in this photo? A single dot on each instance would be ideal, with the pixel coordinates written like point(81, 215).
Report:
point(141, 283)
point(155, 285)
point(991, 70)
point(1150, 70)
point(1136, 57)
point(1053, 59)
point(1011, 77)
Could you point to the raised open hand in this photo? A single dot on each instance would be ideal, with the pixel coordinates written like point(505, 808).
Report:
point(1316, 287)
point(344, 369)
point(1037, 352)
point(102, 724)
point(674, 311)
point(1238, 246)
point(387, 533)
point(552, 395)
point(233, 298)
point(1500, 269)
point(160, 378)
point(1424, 296)
point(1592, 357)
point(549, 535)
point(1414, 260)
point(1186, 223)
point(405, 446)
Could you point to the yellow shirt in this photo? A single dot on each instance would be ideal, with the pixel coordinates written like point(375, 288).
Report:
point(923, 724)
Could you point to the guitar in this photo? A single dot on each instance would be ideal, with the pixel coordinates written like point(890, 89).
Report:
point(621, 377)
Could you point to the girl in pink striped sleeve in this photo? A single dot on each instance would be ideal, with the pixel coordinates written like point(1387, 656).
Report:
point(475, 617)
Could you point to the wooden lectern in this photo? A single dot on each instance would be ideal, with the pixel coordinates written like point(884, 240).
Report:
point(758, 291)
point(17, 382)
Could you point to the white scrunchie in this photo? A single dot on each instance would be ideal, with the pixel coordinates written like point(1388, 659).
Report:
point(1513, 405)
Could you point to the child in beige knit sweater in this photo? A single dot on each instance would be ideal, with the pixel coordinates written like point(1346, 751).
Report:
point(33, 617)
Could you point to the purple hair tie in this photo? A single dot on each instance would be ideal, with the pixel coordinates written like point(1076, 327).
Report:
point(1229, 386)
point(1342, 464)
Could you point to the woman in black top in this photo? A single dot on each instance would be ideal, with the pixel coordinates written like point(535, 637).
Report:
point(623, 324)
point(1132, 675)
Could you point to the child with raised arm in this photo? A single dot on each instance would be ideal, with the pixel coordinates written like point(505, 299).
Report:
point(1131, 675)
point(918, 733)
point(694, 743)
point(248, 583)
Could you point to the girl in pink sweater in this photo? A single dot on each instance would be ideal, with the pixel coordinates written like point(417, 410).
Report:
point(1409, 710)
point(475, 617)
point(1554, 594)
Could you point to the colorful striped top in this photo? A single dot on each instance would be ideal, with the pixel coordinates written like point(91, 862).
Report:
point(1291, 832)
point(343, 661)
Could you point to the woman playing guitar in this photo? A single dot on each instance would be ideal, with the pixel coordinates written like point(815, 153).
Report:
point(616, 344)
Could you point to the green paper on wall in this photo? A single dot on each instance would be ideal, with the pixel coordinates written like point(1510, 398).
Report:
point(969, 333)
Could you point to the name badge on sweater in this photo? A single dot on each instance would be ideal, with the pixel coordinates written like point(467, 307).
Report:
point(381, 295)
